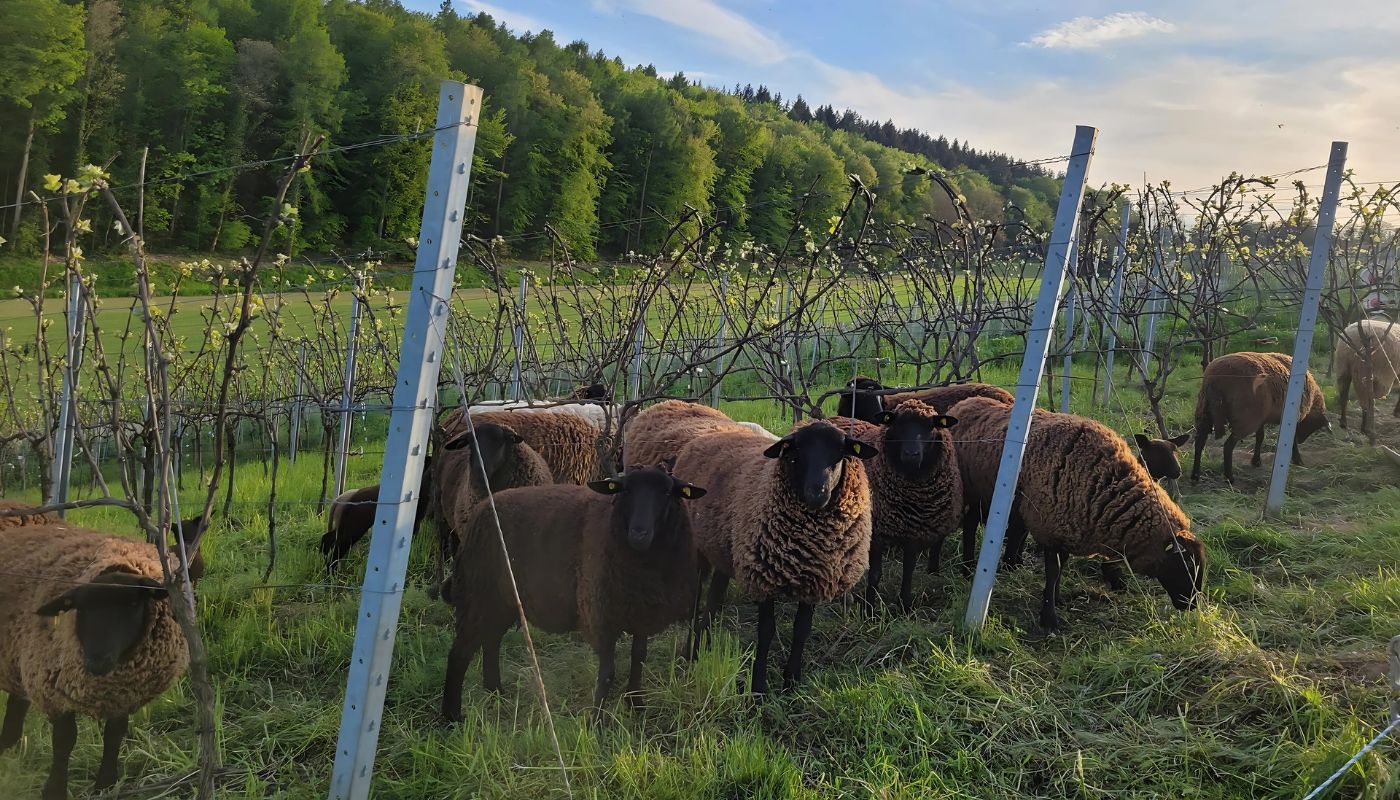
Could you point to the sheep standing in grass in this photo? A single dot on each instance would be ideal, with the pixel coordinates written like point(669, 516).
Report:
point(788, 520)
point(659, 432)
point(1160, 456)
point(865, 403)
point(1081, 493)
point(487, 455)
point(89, 630)
point(1368, 355)
point(916, 493)
point(351, 517)
point(1245, 392)
point(610, 558)
point(567, 443)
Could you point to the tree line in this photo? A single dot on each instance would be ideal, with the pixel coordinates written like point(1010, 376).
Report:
point(571, 141)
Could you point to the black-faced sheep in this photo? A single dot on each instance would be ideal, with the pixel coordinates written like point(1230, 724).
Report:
point(568, 444)
point(916, 493)
point(1161, 456)
point(864, 401)
point(1368, 355)
point(1245, 392)
point(1081, 492)
point(350, 517)
point(787, 520)
point(609, 558)
point(659, 432)
point(486, 455)
point(117, 650)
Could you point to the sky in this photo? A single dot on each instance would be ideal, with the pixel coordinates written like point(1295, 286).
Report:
point(1184, 90)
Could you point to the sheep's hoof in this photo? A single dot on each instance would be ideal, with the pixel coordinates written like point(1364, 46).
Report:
point(104, 780)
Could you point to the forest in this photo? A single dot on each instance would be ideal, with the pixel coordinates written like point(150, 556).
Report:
point(573, 145)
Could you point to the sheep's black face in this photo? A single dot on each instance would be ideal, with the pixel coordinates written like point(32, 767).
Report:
point(1183, 571)
point(912, 441)
point(113, 612)
point(813, 461)
point(859, 403)
point(646, 504)
point(1160, 455)
point(1312, 423)
point(490, 443)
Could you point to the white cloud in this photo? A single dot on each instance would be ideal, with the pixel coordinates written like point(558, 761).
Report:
point(1082, 33)
point(731, 33)
point(520, 23)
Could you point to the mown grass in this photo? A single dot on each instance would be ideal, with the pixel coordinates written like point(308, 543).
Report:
point(1262, 693)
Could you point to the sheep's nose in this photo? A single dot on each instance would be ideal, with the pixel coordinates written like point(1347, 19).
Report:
point(816, 496)
point(913, 455)
point(639, 538)
point(99, 665)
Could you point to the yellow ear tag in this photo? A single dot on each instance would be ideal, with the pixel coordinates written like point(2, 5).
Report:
point(1171, 546)
point(612, 486)
point(855, 447)
point(685, 491)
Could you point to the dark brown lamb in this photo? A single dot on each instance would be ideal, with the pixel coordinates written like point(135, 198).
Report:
point(609, 558)
point(865, 403)
point(1081, 492)
point(1245, 392)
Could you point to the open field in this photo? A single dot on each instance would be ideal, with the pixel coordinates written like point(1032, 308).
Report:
point(1261, 694)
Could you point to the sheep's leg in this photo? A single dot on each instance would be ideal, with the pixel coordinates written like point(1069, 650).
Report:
point(935, 555)
point(1054, 564)
point(607, 668)
point(65, 735)
point(877, 571)
point(1368, 413)
point(801, 629)
point(112, 735)
point(491, 661)
point(1396, 412)
point(1258, 458)
point(1112, 572)
point(1344, 389)
point(1014, 551)
point(458, 659)
point(1202, 434)
point(634, 675)
point(1228, 456)
point(1297, 456)
point(14, 722)
point(906, 585)
point(971, 518)
point(713, 602)
point(692, 645)
point(767, 627)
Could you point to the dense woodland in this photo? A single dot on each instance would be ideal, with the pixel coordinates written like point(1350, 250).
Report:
point(571, 139)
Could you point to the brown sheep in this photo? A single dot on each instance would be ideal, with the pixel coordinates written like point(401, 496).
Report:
point(1368, 354)
point(350, 517)
point(1083, 493)
point(610, 558)
point(1245, 392)
point(459, 480)
point(1160, 456)
point(567, 443)
point(864, 402)
point(661, 431)
point(787, 520)
point(28, 517)
point(916, 493)
point(89, 631)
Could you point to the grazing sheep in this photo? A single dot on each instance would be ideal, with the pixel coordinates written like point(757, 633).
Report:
point(118, 650)
point(1160, 455)
point(864, 404)
point(661, 431)
point(1082, 493)
point(610, 558)
point(1368, 355)
point(787, 520)
point(189, 529)
point(1246, 392)
point(916, 494)
point(350, 517)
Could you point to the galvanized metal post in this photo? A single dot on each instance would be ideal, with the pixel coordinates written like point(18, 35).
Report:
point(347, 389)
point(1154, 298)
point(1120, 265)
point(638, 341)
point(294, 424)
point(719, 340)
point(410, 421)
point(519, 341)
point(1307, 321)
point(61, 470)
point(1032, 367)
point(1071, 297)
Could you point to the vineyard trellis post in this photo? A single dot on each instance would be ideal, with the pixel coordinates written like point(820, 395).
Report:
point(347, 389)
point(719, 340)
point(518, 340)
point(1071, 297)
point(410, 424)
point(1307, 322)
point(61, 471)
point(638, 341)
point(1120, 265)
point(294, 422)
point(1032, 367)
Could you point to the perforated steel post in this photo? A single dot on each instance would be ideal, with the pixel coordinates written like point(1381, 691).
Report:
point(1032, 368)
point(410, 422)
point(1307, 321)
point(61, 470)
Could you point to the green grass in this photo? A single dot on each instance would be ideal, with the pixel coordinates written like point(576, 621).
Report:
point(1262, 693)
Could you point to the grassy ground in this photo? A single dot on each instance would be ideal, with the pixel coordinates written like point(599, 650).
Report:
point(1262, 693)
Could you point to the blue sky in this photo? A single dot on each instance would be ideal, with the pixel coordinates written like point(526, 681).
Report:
point(1187, 90)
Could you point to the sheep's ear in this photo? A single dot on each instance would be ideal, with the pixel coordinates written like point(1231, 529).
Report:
point(458, 442)
point(1180, 441)
point(859, 449)
point(60, 604)
point(607, 485)
point(944, 421)
point(884, 418)
point(779, 447)
point(1142, 441)
point(689, 490)
point(513, 437)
